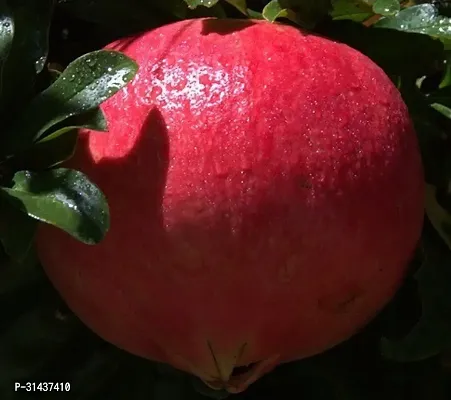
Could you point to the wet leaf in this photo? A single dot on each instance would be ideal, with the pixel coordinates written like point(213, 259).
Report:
point(93, 119)
point(356, 10)
point(192, 4)
point(423, 18)
point(64, 198)
point(410, 54)
point(386, 7)
point(82, 87)
point(59, 145)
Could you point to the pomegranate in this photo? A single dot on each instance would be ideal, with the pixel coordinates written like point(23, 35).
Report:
point(266, 195)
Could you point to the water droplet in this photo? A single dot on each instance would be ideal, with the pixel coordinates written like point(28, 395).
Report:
point(91, 62)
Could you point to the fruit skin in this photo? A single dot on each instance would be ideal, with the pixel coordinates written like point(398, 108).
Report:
point(266, 195)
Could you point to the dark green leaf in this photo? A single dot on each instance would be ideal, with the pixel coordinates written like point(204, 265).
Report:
point(17, 231)
point(93, 119)
point(64, 198)
point(82, 87)
point(28, 53)
point(60, 144)
point(217, 11)
point(386, 7)
point(196, 3)
point(432, 334)
point(355, 10)
point(423, 18)
point(305, 13)
point(47, 153)
point(408, 54)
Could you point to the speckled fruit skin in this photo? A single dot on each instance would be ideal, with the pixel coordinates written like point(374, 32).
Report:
point(266, 196)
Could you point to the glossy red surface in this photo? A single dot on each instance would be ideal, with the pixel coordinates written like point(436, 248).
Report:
point(266, 194)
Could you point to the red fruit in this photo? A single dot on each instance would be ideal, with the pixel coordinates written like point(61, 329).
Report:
point(266, 195)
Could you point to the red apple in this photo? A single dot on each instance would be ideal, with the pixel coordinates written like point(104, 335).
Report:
point(266, 195)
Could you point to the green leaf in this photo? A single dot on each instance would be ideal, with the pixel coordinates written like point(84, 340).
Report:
point(440, 100)
point(82, 87)
point(17, 231)
point(424, 19)
point(217, 11)
point(398, 53)
point(274, 10)
point(305, 13)
point(444, 110)
point(59, 145)
point(47, 153)
point(192, 4)
point(356, 10)
point(432, 334)
point(93, 119)
point(386, 7)
point(64, 198)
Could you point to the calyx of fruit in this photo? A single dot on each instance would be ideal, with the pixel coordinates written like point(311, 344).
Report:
point(266, 195)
